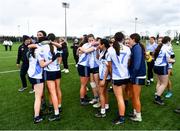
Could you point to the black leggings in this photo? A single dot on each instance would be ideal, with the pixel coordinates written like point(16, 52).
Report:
point(76, 58)
point(65, 59)
point(150, 66)
point(10, 48)
point(23, 72)
point(6, 47)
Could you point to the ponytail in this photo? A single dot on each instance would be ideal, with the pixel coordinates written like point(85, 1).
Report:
point(119, 38)
point(165, 40)
point(143, 49)
point(116, 46)
point(31, 52)
point(156, 53)
point(104, 56)
point(51, 49)
point(105, 42)
point(83, 41)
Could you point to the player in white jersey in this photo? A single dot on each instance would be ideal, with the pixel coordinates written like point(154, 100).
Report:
point(127, 94)
point(170, 66)
point(52, 75)
point(119, 57)
point(46, 41)
point(58, 44)
point(94, 68)
point(104, 78)
point(162, 58)
point(94, 71)
point(111, 41)
point(84, 72)
point(90, 51)
point(35, 73)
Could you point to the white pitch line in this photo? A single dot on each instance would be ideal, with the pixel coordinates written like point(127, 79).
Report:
point(10, 71)
point(8, 57)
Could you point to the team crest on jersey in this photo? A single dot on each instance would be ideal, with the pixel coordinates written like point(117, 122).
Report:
point(22, 49)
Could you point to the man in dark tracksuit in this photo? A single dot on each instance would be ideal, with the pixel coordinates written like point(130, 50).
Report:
point(22, 56)
point(65, 55)
point(75, 47)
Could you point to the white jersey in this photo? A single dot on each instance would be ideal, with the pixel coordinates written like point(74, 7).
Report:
point(163, 56)
point(84, 57)
point(103, 65)
point(35, 71)
point(170, 65)
point(10, 43)
point(93, 60)
point(5, 42)
point(46, 54)
point(120, 63)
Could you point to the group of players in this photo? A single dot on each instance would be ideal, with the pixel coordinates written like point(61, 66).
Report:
point(7, 43)
point(42, 60)
point(119, 61)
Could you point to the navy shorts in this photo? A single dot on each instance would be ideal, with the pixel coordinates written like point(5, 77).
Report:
point(107, 80)
point(35, 81)
point(161, 70)
point(94, 70)
point(138, 81)
point(120, 82)
point(52, 75)
point(84, 71)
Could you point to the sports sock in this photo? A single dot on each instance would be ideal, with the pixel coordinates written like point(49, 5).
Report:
point(106, 106)
point(56, 112)
point(103, 110)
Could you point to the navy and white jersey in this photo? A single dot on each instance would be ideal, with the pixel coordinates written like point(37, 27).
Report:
point(84, 57)
point(151, 47)
point(93, 60)
point(120, 63)
point(46, 54)
point(170, 65)
point(103, 65)
point(164, 55)
point(137, 68)
point(35, 71)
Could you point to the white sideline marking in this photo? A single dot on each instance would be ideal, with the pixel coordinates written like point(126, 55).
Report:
point(10, 71)
point(8, 57)
point(4, 72)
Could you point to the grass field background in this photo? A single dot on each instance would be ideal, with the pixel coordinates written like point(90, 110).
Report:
point(16, 109)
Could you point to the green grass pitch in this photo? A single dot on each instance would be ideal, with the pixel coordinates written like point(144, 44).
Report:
point(16, 109)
